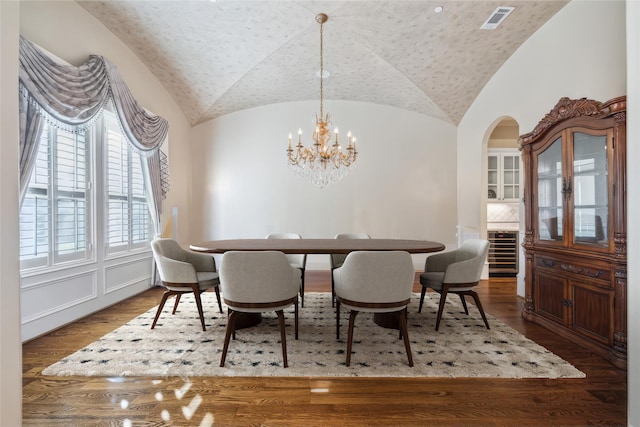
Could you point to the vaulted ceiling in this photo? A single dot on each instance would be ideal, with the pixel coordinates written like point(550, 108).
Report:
point(218, 57)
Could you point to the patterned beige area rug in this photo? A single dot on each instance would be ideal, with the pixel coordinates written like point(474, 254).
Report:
point(462, 347)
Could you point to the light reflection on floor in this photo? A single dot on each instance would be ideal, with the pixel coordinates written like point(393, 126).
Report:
point(189, 408)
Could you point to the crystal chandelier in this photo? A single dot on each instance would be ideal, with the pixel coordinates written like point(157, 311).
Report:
point(322, 163)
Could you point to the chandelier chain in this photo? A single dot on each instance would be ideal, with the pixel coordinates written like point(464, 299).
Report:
point(321, 70)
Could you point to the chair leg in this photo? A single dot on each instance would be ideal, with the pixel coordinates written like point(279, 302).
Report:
point(231, 327)
point(283, 337)
point(337, 319)
point(352, 320)
point(333, 290)
point(424, 291)
point(233, 335)
point(196, 293)
point(464, 303)
point(217, 288)
point(165, 295)
point(402, 315)
point(177, 301)
point(406, 316)
point(295, 311)
point(302, 286)
point(443, 298)
point(476, 298)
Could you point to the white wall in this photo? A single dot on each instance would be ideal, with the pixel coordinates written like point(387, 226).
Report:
point(633, 212)
point(403, 184)
point(10, 348)
point(579, 53)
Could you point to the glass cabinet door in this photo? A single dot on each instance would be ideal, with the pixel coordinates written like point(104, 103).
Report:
point(511, 176)
point(590, 193)
point(492, 178)
point(503, 176)
point(550, 195)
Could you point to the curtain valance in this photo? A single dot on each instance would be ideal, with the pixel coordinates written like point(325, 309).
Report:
point(75, 95)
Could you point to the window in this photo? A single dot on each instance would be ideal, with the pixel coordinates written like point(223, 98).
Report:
point(58, 217)
point(54, 223)
point(128, 224)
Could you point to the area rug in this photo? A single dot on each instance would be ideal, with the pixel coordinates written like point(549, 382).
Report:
point(177, 346)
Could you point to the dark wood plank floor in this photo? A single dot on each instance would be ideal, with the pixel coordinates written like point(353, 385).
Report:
point(598, 399)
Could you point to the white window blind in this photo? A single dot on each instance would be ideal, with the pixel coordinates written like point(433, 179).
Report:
point(54, 224)
point(71, 184)
point(128, 223)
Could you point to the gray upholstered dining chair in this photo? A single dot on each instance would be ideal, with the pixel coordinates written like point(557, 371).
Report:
point(456, 272)
point(377, 282)
point(183, 272)
point(298, 261)
point(256, 282)
point(336, 260)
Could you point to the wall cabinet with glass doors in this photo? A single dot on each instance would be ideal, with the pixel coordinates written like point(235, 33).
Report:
point(575, 224)
point(503, 175)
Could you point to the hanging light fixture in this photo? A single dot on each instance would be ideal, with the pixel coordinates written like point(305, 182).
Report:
point(322, 163)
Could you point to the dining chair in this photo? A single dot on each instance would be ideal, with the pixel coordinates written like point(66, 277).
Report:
point(376, 282)
point(298, 261)
point(336, 260)
point(182, 272)
point(456, 272)
point(256, 282)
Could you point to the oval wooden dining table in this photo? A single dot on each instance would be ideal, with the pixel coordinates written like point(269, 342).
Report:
point(319, 246)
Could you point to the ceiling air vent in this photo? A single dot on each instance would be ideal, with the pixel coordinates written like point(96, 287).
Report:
point(497, 17)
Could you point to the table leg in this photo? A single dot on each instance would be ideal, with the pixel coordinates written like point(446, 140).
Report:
point(386, 320)
point(247, 320)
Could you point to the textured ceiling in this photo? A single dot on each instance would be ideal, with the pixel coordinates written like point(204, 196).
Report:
point(215, 58)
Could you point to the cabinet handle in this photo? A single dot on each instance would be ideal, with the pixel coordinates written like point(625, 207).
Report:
point(590, 273)
point(566, 188)
point(571, 268)
point(566, 302)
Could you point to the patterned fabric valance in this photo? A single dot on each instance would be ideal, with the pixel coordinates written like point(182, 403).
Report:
point(76, 95)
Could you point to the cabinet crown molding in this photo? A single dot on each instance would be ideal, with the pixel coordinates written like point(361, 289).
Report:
point(567, 108)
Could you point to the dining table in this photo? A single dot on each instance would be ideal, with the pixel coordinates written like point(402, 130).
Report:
point(315, 247)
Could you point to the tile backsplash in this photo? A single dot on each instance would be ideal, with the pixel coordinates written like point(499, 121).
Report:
point(503, 216)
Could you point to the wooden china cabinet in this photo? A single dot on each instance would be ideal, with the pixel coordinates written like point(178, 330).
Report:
point(575, 224)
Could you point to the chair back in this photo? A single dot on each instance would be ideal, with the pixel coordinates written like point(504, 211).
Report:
point(475, 251)
point(473, 248)
point(375, 277)
point(294, 259)
point(168, 248)
point(258, 277)
point(338, 259)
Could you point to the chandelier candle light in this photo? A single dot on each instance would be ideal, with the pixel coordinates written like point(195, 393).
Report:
point(323, 163)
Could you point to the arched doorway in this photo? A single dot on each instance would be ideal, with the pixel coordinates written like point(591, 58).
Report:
point(504, 198)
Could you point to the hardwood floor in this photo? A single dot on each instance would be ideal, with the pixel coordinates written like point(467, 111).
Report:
point(598, 399)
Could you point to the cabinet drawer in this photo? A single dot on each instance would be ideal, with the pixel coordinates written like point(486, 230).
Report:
point(593, 272)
